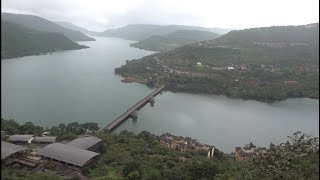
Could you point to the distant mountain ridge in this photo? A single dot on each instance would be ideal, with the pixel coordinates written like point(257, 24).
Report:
point(18, 41)
point(174, 40)
point(71, 26)
point(41, 24)
point(137, 32)
point(274, 34)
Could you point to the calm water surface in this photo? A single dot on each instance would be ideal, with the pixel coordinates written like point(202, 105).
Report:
point(80, 85)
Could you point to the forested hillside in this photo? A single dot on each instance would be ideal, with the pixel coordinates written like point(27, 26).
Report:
point(174, 40)
point(265, 64)
point(41, 24)
point(18, 41)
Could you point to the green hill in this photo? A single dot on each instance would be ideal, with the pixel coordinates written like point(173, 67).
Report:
point(174, 40)
point(18, 41)
point(41, 24)
point(137, 32)
point(276, 34)
point(271, 63)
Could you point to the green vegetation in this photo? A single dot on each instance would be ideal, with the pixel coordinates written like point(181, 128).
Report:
point(17, 173)
point(138, 32)
point(268, 65)
point(20, 41)
point(130, 156)
point(62, 131)
point(41, 24)
point(174, 40)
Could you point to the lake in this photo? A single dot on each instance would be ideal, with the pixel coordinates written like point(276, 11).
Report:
point(80, 86)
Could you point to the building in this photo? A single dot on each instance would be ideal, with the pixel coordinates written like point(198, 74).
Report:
point(248, 152)
point(68, 154)
point(184, 144)
point(89, 143)
point(290, 82)
point(199, 64)
point(211, 152)
point(21, 139)
point(44, 139)
point(230, 68)
point(9, 152)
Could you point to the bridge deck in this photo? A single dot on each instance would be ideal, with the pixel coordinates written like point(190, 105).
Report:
point(135, 107)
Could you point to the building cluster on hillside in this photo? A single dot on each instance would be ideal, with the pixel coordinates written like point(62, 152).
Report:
point(64, 159)
point(248, 152)
point(279, 45)
point(184, 144)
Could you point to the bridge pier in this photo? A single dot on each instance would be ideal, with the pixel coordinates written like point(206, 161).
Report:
point(134, 115)
point(151, 101)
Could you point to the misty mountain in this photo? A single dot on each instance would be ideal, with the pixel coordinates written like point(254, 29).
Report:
point(71, 26)
point(139, 32)
point(174, 40)
point(221, 30)
point(18, 41)
point(41, 24)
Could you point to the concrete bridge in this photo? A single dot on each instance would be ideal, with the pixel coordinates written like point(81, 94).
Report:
point(132, 111)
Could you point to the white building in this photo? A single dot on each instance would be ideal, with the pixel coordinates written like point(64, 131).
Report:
point(230, 68)
point(199, 64)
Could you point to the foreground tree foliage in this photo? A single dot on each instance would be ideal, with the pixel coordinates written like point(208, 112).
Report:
point(298, 158)
point(130, 156)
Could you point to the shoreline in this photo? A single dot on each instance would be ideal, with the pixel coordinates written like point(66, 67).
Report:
point(131, 79)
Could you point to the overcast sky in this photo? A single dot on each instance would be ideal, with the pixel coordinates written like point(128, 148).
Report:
point(99, 15)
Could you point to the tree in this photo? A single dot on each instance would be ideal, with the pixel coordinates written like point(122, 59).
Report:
point(74, 128)
point(62, 127)
point(91, 126)
point(134, 175)
point(298, 158)
point(10, 126)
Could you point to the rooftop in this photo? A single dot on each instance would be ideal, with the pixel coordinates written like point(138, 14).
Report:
point(8, 149)
point(22, 138)
point(48, 139)
point(84, 142)
point(67, 154)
